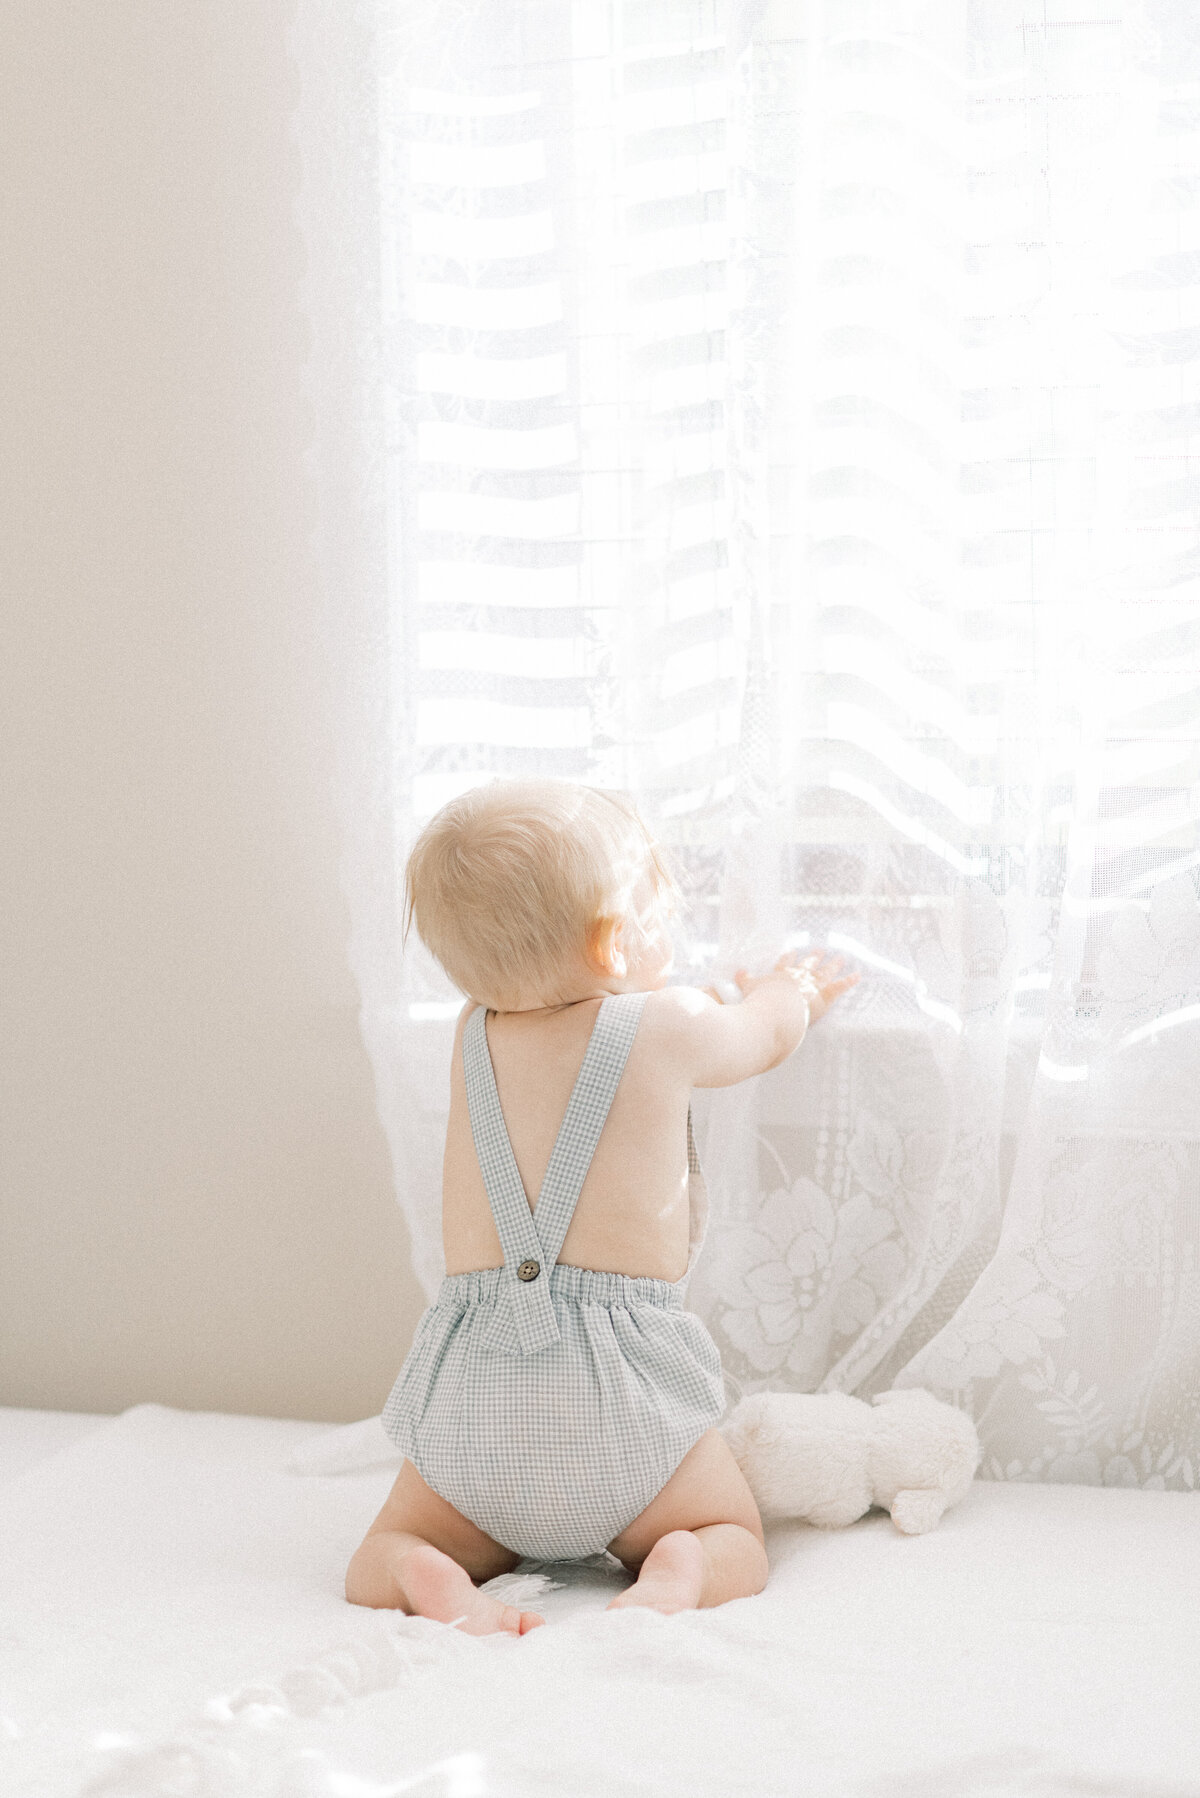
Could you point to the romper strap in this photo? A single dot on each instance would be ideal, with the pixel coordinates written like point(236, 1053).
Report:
point(525, 1320)
point(586, 1114)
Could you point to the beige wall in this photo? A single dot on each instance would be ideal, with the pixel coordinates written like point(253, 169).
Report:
point(195, 1204)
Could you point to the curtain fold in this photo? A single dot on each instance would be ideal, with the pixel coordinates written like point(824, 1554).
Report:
point(791, 415)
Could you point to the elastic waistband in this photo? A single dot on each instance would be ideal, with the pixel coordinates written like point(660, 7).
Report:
point(574, 1285)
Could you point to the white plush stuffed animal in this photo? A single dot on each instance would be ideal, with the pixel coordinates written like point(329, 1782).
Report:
point(827, 1457)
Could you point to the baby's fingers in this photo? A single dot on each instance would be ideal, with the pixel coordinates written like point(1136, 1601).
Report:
point(833, 989)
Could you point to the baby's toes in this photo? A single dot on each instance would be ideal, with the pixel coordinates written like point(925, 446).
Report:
point(530, 1620)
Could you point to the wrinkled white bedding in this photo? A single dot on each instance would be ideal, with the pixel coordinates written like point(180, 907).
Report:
point(170, 1589)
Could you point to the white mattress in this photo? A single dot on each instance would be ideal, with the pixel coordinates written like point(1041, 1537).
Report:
point(172, 1621)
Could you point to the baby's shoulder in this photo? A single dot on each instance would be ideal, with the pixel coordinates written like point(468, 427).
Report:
point(672, 1016)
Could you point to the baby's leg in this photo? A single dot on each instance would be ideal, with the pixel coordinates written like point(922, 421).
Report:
point(422, 1556)
point(700, 1542)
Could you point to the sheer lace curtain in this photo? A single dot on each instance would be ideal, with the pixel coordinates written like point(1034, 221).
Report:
point(790, 413)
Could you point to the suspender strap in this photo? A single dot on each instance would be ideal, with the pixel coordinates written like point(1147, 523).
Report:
point(587, 1111)
point(531, 1241)
point(524, 1319)
point(506, 1195)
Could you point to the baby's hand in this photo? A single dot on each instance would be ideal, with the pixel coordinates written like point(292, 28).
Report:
point(819, 978)
point(729, 1042)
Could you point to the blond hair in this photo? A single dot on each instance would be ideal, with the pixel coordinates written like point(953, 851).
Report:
point(514, 886)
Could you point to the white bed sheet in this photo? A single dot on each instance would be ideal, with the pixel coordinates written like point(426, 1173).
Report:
point(169, 1589)
point(28, 1437)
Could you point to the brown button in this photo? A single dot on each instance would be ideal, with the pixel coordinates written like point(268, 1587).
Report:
point(528, 1270)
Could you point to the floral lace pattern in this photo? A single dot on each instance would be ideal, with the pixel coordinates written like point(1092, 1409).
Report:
point(805, 1276)
point(1070, 1329)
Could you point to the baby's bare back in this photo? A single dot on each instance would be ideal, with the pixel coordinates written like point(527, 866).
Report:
point(632, 1217)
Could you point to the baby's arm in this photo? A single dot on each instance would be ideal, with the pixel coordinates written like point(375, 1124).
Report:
point(722, 1044)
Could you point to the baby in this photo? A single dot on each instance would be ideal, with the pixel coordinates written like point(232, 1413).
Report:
point(558, 1399)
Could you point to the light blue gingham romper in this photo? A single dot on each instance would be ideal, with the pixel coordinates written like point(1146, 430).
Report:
point(548, 1403)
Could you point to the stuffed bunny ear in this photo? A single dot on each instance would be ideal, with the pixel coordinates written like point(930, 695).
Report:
point(914, 1512)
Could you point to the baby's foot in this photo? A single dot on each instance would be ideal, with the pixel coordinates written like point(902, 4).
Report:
point(437, 1587)
point(671, 1577)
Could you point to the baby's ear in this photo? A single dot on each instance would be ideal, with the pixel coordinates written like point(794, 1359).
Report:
point(605, 949)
